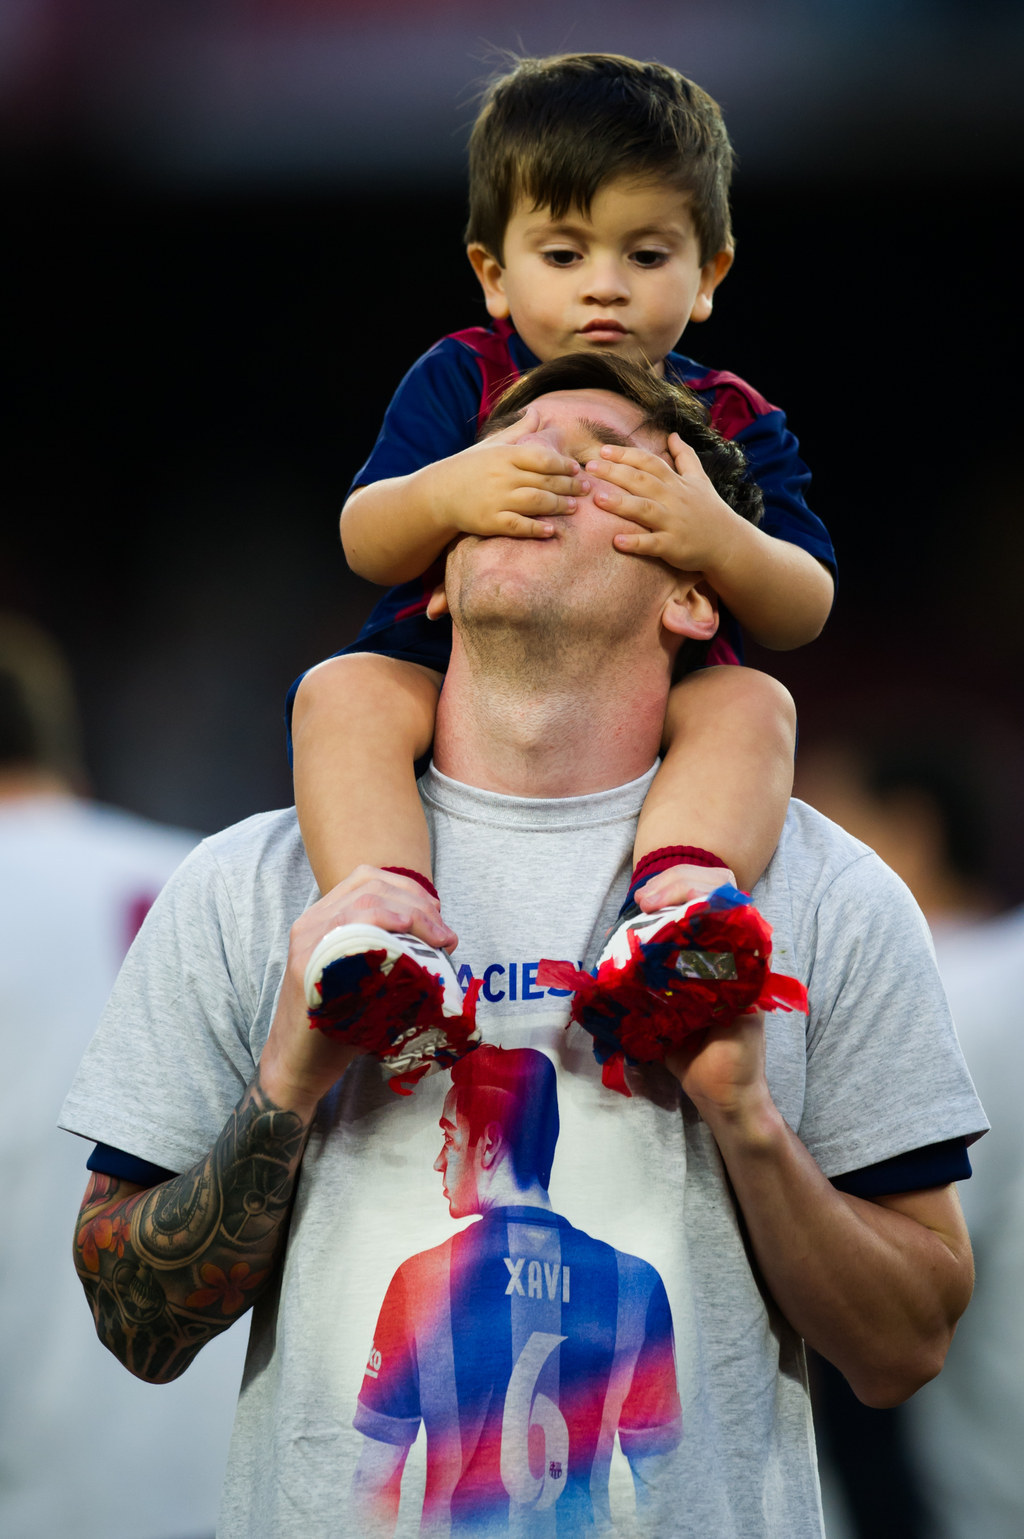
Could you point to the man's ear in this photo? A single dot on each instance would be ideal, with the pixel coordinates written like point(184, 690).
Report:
point(692, 610)
point(711, 275)
point(491, 277)
point(437, 604)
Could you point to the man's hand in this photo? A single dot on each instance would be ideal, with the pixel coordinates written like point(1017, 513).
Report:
point(299, 1065)
point(722, 1070)
point(682, 520)
point(508, 484)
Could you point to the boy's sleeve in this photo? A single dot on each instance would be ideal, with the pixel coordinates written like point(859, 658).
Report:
point(433, 413)
point(741, 413)
point(773, 456)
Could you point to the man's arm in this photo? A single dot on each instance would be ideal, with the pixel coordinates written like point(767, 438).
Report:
point(875, 1286)
point(167, 1268)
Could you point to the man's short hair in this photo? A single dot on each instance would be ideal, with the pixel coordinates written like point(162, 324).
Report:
point(516, 1088)
point(555, 130)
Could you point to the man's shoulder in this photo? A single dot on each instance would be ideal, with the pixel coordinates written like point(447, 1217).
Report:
point(805, 826)
point(816, 858)
point(267, 844)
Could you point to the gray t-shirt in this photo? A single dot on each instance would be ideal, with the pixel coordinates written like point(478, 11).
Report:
point(873, 1072)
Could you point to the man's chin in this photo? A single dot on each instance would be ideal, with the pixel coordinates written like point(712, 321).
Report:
point(498, 574)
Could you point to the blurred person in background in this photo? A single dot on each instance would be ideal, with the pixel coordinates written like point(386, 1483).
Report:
point(84, 1448)
point(948, 1464)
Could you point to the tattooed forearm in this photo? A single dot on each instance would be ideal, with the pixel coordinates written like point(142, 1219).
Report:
point(168, 1268)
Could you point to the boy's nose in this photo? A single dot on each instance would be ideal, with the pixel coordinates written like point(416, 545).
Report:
point(606, 283)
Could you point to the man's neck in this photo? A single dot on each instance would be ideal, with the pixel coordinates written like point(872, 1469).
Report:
point(548, 737)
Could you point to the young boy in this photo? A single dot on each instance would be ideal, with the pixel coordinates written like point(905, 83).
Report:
point(599, 220)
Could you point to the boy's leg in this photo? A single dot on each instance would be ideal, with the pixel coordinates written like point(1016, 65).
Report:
point(725, 778)
point(678, 962)
point(359, 724)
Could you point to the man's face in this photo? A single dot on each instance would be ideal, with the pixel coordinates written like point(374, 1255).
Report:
point(457, 1161)
point(577, 579)
point(624, 278)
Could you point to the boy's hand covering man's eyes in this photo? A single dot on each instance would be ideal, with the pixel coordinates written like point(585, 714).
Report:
point(508, 484)
point(682, 519)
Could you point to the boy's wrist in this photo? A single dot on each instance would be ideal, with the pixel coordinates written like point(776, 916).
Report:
point(729, 557)
point(438, 499)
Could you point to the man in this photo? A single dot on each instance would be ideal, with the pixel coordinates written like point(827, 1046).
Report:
point(76, 878)
point(716, 1171)
point(520, 1328)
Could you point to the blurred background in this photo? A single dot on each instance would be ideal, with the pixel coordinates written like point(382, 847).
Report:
point(232, 226)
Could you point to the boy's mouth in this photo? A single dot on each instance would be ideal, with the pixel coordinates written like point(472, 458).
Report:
point(603, 328)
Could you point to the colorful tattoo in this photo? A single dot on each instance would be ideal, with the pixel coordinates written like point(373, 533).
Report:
point(167, 1269)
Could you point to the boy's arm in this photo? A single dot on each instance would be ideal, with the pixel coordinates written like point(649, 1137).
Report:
point(393, 529)
point(778, 592)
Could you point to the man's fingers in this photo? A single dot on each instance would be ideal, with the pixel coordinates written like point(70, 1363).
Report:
point(372, 896)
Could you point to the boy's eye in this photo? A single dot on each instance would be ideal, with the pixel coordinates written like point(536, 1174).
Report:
point(649, 258)
point(560, 257)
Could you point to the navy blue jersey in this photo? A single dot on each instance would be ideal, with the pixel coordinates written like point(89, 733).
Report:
point(524, 1347)
point(438, 408)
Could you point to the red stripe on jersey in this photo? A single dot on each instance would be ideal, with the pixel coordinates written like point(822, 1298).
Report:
point(735, 404)
point(494, 360)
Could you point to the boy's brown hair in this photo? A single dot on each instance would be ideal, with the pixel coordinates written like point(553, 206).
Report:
point(555, 129)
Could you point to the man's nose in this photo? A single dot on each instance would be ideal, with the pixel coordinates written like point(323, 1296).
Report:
point(552, 436)
point(606, 281)
point(439, 1163)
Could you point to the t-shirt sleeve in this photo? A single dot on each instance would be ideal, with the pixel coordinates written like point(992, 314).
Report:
point(171, 1056)
point(885, 1074)
point(432, 414)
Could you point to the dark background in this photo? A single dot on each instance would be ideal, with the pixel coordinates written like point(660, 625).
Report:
point(208, 310)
